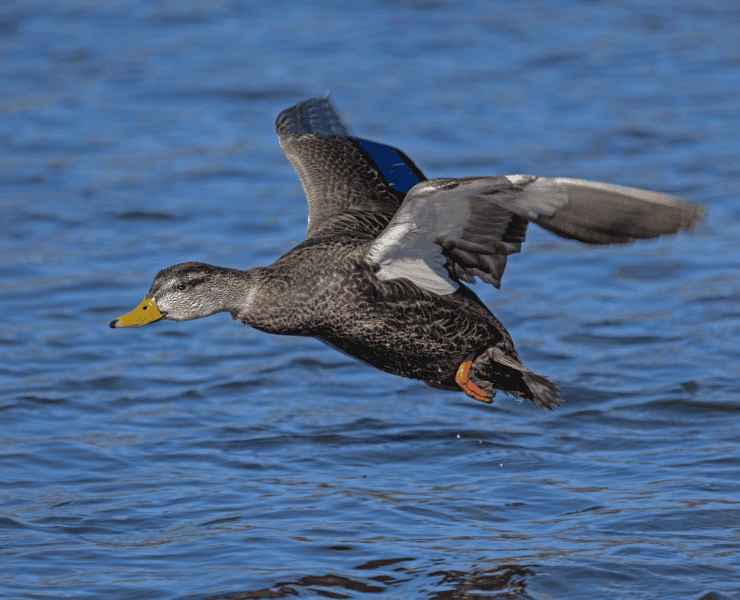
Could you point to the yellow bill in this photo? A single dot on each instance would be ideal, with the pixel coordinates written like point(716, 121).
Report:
point(146, 312)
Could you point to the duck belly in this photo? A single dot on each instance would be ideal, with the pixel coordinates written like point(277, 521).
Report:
point(419, 340)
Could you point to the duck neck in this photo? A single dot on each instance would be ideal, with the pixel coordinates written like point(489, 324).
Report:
point(267, 303)
point(249, 283)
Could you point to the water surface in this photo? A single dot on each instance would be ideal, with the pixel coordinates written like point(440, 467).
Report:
point(208, 460)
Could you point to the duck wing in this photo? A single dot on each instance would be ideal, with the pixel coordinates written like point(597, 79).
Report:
point(340, 172)
point(458, 229)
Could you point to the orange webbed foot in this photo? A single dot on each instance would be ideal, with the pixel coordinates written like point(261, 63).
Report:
point(472, 390)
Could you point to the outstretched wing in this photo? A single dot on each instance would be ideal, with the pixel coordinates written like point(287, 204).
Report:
point(458, 229)
point(340, 172)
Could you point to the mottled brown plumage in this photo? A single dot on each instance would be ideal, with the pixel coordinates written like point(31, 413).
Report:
point(379, 274)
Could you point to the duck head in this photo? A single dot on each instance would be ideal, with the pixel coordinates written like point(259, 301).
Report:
point(184, 292)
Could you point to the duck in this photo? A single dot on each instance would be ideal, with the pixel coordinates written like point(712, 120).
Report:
point(381, 275)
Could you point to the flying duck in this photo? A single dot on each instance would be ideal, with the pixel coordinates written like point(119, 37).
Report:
point(381, 274)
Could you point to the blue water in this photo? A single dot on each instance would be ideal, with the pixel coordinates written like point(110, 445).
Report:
point(208, 460)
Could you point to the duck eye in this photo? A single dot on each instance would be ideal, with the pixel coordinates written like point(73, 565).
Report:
point(182, 285)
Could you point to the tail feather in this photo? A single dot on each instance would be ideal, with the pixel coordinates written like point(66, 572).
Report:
point(503, 371)
point(544, 392)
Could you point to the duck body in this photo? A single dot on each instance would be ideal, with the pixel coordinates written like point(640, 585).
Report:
point(324, 288)
point(381, 275)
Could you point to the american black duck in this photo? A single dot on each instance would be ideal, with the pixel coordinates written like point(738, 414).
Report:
point(381, 274)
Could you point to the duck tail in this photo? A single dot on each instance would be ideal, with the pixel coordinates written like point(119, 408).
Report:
point(504, 371)
point(544, 392)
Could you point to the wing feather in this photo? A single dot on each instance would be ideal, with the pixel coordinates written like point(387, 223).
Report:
point(476, 222)
point(339, 172)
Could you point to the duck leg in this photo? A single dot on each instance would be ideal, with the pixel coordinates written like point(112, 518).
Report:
point(478, 376)
point(484, 392)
